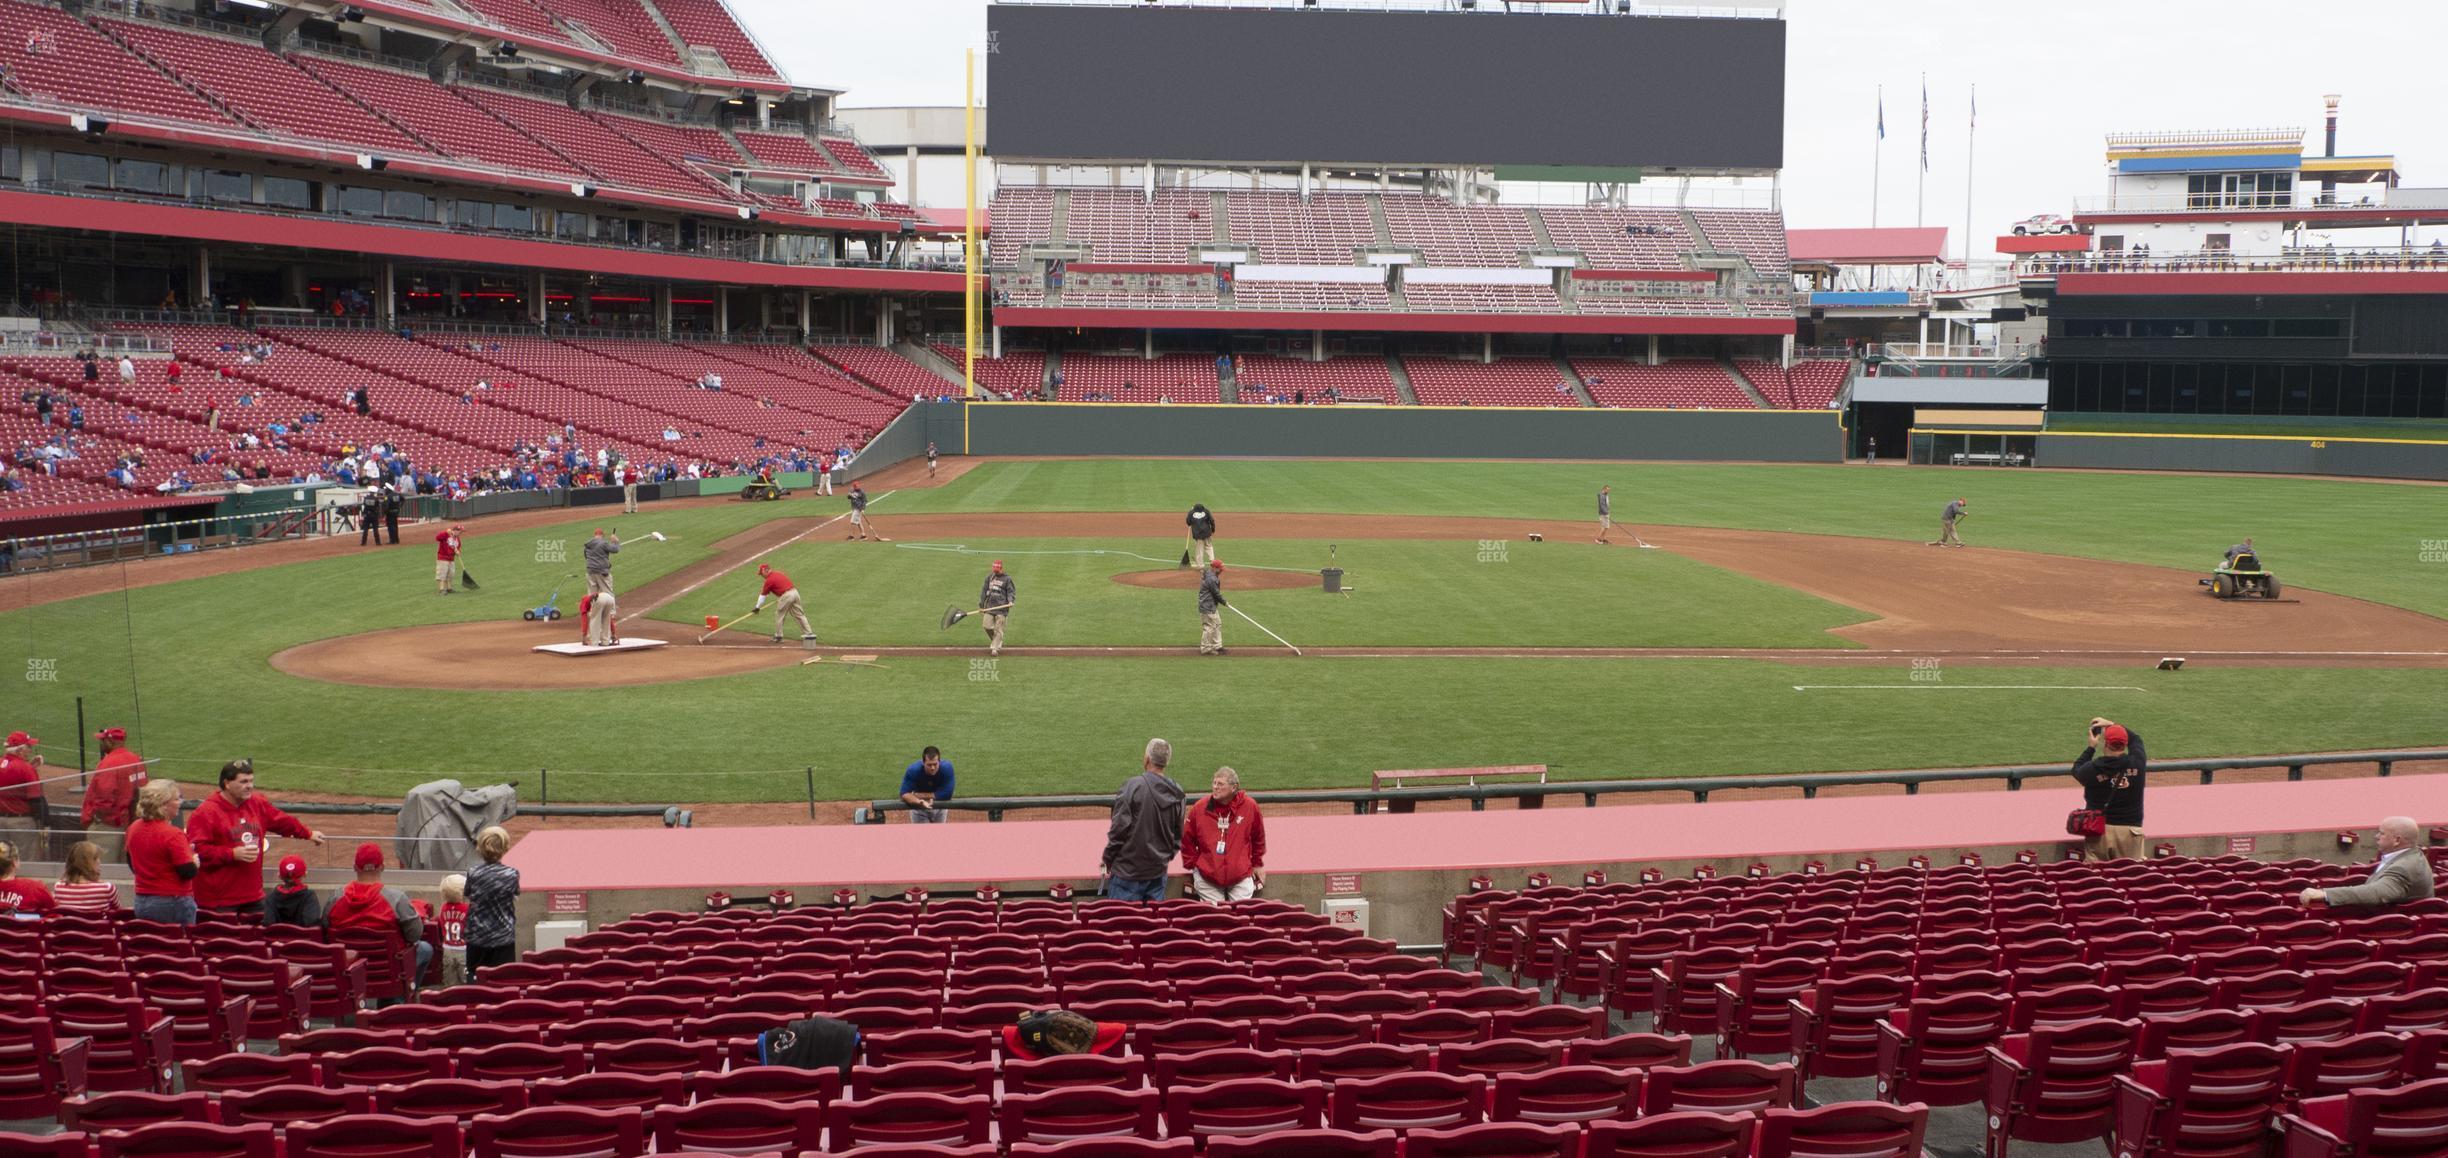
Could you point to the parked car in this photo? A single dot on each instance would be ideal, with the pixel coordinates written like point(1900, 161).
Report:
point(2043, 223)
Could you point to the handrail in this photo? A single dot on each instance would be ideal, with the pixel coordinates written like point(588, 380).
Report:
point(1365, 801)
point(2403, 259)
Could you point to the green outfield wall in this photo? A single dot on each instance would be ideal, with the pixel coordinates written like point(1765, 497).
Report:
point(1026, 428)
point(2256, 454)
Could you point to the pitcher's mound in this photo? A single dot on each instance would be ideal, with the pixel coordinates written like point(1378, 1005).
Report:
point(1187, 579)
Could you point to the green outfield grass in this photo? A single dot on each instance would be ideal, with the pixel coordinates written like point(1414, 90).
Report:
point(2350, 538)
point(1042, 725)
point(1409, 594)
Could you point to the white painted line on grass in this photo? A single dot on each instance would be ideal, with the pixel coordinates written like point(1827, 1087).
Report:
point(1962, 686)
point(683, 593)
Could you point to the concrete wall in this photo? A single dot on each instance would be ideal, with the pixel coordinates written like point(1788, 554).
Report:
point(1406, 907)
point(2254, 455)
point(1392, 432)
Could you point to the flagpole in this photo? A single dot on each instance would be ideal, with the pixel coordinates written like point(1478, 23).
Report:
point(1971, 131)
point(1877, 149)
point(1921, 184)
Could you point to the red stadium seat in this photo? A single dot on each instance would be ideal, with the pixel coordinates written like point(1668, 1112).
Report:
point(2052, 1084)
point(1686, 1135)
point(551, 1131)
point(1494, 1140)
point(454, 1098)
point(1844, 1130)
point(739, 1126)
point(2407, 1120)
point(1936, 1051)
point(38, 1068)
point(129, 1109)
point(190, 1140)
point(371, 1136)
point(2319, 1069)
point(1719, 1087)
point(1567, 1094)
point(1307, 1143)
point(1636, 1051)
point(284, 1105)
point(1208, 1067)
point(1244, 1108)
point(909, 1119)
point(1079, 1112)
point(2216, 1103)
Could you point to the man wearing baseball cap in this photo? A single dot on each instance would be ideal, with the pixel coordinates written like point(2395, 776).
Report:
point(367, 903)
point(995, 601)
point(21, 794)
point(1211, 597)
point(2111, 772)
point(1946, 524)
point(110, 799)
point(230, 832)
point(446, 555)
point(786, 601)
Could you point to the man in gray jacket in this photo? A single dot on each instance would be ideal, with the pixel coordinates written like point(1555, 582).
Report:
point(599, 551)
point(2403, 874)
point(1146, 831)
point(1211, 601)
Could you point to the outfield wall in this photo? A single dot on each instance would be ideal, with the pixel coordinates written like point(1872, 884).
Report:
point(2257, 454)
point(1088, 428)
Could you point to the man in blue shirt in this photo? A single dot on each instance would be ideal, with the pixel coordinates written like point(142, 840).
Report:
point(926, 784)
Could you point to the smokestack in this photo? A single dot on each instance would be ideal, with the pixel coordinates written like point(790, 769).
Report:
point(2329, 104)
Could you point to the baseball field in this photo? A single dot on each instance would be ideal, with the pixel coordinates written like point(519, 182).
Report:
point(1786, 619)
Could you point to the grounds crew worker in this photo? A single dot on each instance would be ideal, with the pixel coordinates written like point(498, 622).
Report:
point(1606, 513)
point(858, 513)
point(110, 800)
point(999, 591)
point(600, 612)
point(1202, 534)
point(2111, 773)
point(786, 602)
point(2243, 548)
point(1946, 524)
point(599, 551)
point(1211, 599)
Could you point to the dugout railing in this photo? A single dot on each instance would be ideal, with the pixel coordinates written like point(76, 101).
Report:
point(1364, 801)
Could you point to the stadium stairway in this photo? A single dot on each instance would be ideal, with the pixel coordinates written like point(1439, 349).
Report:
point(1744, 380)
point(1564, 366)
point(1402, 377)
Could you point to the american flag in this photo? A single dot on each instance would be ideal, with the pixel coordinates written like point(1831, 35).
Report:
point(1925, 124)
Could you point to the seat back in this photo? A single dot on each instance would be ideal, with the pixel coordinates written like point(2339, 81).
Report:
point(1681, 1135)
point(739, 1126)
point(1408, 1101)
point(1844, 1130)
point(910, 1119)
point(1723, 1087)
point(1494, 1140)
point(1078, 1112)
point(1304, 1144)
point(1243, 1108)
point(548, 1131)
point(2363, 1061)
point(457, 1099)
point(1566, 1094)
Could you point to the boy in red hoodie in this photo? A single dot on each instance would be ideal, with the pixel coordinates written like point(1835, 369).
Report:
point(367, 903)
point(229, 831)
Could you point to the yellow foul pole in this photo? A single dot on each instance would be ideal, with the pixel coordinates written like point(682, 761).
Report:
point(970, 305)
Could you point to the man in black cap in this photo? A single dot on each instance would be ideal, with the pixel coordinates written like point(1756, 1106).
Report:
point(1202, 534)
point(369, 517)
point(1211, 601)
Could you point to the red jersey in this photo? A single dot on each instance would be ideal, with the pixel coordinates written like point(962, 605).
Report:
point(628, 474)
point(20, 786)
point(776, 583)
point(218, 829)
point(155, 849)
point(446, 546)
point(25, 896)
point(111, 798)
point(454, 927)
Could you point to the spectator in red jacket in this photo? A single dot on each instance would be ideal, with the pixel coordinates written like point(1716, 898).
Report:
point(110, 800)
point(21, 794)
point(1224, 842)
point(368, 903)
point(229, 831)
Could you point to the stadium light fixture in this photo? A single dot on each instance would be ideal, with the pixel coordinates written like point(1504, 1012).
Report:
point(636, 76)
point(349, 14)
point(371, 163)
point(506, 50)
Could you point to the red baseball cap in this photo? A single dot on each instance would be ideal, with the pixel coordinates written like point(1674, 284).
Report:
point(293, 868)
point(2114, 736)
point(20, 740)
point(113, 734)
point(369, 856)
point(764, 567)
point(998, 564)
point(1218, 564)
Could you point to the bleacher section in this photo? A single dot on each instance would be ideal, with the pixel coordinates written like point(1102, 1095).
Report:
point(1816, 381)
point(2059, 1002)
point(1120, 225)
point(253, 98)
point(1019, 373)
point(708, 24)
point(886, 371)
point(1758, 237)
point(1359, 378)
point(1677, 385)
point(1124, 378)
point(1446, 234)
point(1328, 230)
point(1504, 382)
point(1620, 238)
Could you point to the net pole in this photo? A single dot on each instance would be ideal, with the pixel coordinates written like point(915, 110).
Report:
point(969, 228)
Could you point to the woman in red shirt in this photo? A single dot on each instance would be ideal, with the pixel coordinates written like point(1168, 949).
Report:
point(164, 863)
point(18, 895)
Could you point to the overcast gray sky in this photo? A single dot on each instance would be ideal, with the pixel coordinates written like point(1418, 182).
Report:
point(2054, 78)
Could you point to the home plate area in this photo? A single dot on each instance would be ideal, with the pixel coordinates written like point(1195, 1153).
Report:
point(581, 649)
